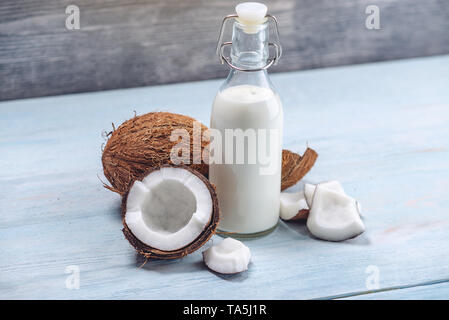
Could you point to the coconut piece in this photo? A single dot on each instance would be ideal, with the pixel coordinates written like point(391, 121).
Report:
point(143, 142)
point(170, 212)
point(293, 206)
point(309, 190)
point(228, 257)
point(295, 167)
point(333, 216)
point(359, 207)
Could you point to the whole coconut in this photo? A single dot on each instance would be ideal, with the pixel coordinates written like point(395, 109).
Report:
point(142, 143)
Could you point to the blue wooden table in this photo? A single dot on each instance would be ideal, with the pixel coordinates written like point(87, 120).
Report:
point(382, 129)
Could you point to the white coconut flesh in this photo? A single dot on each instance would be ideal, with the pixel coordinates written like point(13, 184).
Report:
point(333, 216)
point(291, 204)
point(228, 257)
point(334, 185)
point(309, 189)
point(169, 209)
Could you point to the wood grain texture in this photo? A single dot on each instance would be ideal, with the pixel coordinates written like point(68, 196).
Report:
point(438, 291)
point(381, 129)
point(130, 43)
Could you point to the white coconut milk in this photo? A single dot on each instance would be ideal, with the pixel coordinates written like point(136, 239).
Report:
point(248, 198)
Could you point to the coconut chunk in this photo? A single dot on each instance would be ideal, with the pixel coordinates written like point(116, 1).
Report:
point(173, 211)
point(293, 206)
point(359, 207)
point(309, 189)
point(333, 216)
point(228, 257)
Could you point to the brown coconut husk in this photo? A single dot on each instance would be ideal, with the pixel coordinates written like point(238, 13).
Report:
point(154, 253)
point(142, 143)
point(295, 167)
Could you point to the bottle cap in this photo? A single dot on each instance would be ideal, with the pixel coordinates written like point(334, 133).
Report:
point(251, 13)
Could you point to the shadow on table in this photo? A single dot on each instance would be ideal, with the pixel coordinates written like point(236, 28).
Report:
point(190, 263)
point(299, 228)
point(238, 277)
point(116, 210)
point(295, 227)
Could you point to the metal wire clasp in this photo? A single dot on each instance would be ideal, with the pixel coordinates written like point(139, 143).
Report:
point(221, 45)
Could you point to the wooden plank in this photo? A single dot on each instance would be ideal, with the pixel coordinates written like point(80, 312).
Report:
point(129, 43)
point(381, 129)
point(439, 291)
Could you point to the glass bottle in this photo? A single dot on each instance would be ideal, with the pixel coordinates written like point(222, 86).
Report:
point(246, 128)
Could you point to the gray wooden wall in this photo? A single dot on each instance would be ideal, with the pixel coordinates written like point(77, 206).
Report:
point(129, 43)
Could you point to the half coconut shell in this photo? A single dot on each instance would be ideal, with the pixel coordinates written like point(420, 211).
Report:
point(152, 252)
point(295, 167)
